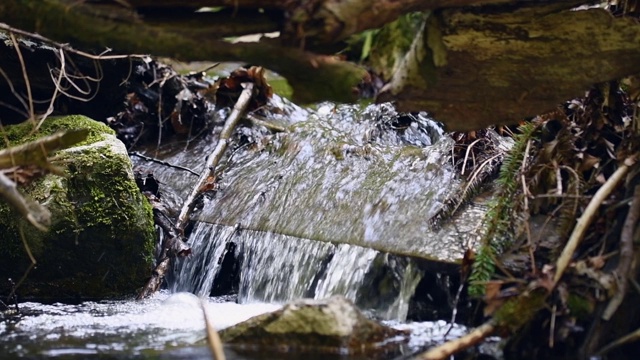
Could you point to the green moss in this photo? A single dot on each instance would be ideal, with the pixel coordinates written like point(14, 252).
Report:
point(281, 87)
point(24, 132)
point(101, 237)
point(392, 42)
point(579, 306)
point(412, 151)
point(519, 310)
point(337, 152)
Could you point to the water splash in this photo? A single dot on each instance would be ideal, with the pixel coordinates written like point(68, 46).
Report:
point(346, 272)
point(118, 329)
point(410, 279)
point(278, 268)
point(195, 274)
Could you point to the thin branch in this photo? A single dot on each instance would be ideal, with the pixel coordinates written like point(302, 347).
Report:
point(162, 162)
point(213, 339)
point(16, 94)
point(633, 336)
point(471, 181)
point(271, 126)
point(35, 152)
point(26, 247)
point(214, 158)
point(37, 214)
point(173, 245)
point(67, 47)
point(56, 82)
point(16, 45)
point(587, 217)
point(15, 286)
point(466, 155)
point(623, 269)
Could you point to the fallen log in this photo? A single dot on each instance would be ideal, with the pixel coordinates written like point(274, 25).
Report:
point(471, 67)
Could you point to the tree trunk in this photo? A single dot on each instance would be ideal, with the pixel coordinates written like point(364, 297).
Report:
point(472, 69)
point(495, 62)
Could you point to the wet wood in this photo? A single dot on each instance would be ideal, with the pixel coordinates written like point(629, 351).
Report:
point(207, 179)
point(472, 66)
point(471, 69)
point(173, 246)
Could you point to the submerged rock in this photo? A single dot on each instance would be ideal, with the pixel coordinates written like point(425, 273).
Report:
point(101, 236)
point(333, 325)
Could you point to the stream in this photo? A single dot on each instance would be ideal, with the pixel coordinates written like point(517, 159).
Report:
point(347, 203)
point(165, 326)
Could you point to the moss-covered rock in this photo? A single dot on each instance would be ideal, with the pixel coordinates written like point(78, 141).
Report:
point(333, 325)
point(101, 237)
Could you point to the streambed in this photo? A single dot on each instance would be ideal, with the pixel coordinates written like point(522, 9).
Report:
point(165, 326)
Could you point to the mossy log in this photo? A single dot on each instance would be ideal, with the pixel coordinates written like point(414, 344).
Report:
point(471, 69)
point(494, 62)
point(314, 77)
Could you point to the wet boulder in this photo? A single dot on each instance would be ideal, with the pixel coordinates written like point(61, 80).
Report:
point(333, 325)
point(101, 237)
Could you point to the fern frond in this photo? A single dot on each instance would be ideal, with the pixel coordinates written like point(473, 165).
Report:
point(502, 213)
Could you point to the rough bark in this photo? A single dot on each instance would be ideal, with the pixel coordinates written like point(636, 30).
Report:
point(214, 25)
point(494, 62)
point(313, 77)
point(472, 69)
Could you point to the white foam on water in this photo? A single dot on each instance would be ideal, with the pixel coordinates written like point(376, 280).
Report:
point(129, 326)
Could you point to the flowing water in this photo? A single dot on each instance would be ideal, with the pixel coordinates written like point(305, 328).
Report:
point(277, 268)
point(166, 326)
point(263, 269)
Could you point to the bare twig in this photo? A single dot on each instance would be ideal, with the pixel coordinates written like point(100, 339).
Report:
point(154, 282)
point(56, 82)
point(162, 162)
point(26, 248)
point(587, 217)
point(626, 255)
point(37, 214)
point(214, 158)
point(86, 91)
point(12, 294)
point(466, 155)
point(474, 175)
point(16, 94)
point(213, 339)
point(35, 152)
point(67, 47)
point(634, 336)
point(27, 84)
point(259, 122)
point(173, 245)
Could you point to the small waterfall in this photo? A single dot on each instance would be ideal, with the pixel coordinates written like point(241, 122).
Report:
point(196, 273)
point(279, 268)
point(346, 272)
point(410, 279)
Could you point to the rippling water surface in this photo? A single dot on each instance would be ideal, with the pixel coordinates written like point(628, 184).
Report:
point(166, 326)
